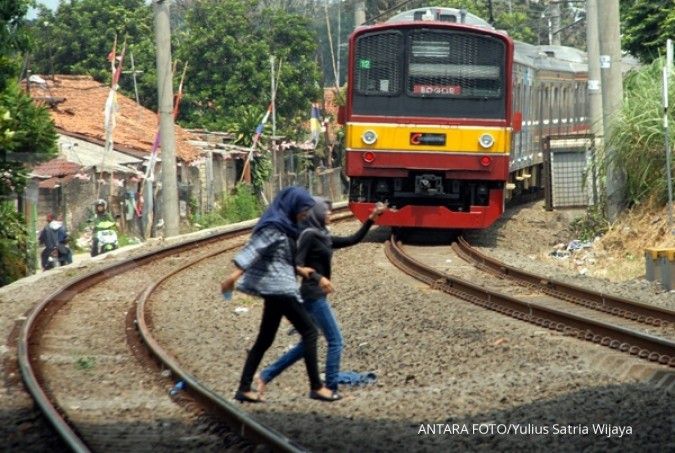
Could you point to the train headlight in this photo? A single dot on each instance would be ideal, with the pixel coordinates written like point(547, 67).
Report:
point(369, 137)
point(486, 140)
point(485, 161)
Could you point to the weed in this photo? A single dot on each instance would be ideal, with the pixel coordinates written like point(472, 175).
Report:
point(85, 363)
point(592, 225)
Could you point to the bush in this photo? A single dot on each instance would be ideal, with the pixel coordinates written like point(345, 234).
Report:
point(242, 205)
point(15, 253)
point(592, 225)
point(637, 135)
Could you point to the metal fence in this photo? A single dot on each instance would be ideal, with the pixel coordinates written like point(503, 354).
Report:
point(570, 171)
point(325, 183)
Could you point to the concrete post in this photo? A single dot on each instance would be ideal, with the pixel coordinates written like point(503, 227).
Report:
point(166, 126)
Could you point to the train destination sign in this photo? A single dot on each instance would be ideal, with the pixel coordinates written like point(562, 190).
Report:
point(419, 88)
point(422, 138)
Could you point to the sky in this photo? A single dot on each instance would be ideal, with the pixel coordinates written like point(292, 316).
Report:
point(51, 4)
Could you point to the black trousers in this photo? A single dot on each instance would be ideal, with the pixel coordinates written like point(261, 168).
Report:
point(275, 307)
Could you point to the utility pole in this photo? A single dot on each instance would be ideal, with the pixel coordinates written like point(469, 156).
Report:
point(612, 98)
point(273, 94)
point(359, 12)
point(554, 13)
point(594, 79)
point(166, 127)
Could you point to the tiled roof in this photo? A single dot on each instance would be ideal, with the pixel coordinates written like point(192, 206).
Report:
point(53, 183)
point(83, 110)
point(56, 167)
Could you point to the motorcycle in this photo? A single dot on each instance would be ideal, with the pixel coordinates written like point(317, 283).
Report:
point(105, 237)
point(60, 256)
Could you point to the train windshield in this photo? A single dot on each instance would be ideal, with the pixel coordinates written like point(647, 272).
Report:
point(429, 73)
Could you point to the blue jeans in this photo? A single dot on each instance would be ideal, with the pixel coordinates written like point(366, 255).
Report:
point(323, 315)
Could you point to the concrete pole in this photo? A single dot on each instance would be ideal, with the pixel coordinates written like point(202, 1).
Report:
point(166, 127)
point(359, 12)
point(273, 94)
point(594, 80)
point(554, 11)
point(612, 97)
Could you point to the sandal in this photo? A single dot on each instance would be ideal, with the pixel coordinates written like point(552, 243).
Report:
point(334, 396)
point(260, 385)
point(242, 397)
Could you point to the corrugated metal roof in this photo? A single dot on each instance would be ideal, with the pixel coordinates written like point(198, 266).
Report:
point(88, 155)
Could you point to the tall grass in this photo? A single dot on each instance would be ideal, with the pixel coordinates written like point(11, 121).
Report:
point(638, 137)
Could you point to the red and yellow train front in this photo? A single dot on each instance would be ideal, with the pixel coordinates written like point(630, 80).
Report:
point(427, 123)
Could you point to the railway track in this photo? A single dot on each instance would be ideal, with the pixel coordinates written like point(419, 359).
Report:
point(56, 333)
point(529, 307)
point(424, 351)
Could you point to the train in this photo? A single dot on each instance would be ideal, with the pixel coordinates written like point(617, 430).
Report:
point(444, 117)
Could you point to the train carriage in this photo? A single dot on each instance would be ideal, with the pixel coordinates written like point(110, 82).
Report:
point(435, 104)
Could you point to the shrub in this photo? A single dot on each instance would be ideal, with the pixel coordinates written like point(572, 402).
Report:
point(637, 135)
point(242, 205)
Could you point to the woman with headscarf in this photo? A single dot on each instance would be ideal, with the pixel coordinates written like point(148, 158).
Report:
point(315, 251)
point(267, 267)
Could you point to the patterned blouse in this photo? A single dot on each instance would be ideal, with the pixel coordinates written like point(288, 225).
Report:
point(268, 262)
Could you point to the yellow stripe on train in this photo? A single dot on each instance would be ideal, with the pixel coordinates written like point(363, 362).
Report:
point(406, 137)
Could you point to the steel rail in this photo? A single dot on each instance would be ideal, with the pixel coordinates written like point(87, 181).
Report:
point(39, 317)
point(645, 346)
point(595, 300)
point(246, 425)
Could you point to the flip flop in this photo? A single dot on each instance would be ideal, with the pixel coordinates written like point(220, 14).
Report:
point(334, 396)
point(243, 398)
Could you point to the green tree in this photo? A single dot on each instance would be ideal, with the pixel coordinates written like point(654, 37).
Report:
point(646, 25)
point(79, 35)
point(228, 45)
point(26, 135)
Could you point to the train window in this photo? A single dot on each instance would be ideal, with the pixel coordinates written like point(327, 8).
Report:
point(447, 18)
point(442, 64)
point(378, 64)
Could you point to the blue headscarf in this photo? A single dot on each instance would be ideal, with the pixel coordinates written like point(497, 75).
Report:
point(283, 211)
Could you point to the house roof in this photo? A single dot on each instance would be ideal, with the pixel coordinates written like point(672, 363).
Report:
point(89, 154)
point(53, 183)
point(56, 167)
point(80, 111)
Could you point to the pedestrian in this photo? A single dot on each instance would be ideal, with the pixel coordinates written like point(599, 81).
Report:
point(315, 251)
point(55, 239)
point(267, 269)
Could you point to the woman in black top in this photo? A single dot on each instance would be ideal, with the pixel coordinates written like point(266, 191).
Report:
point(315, 250)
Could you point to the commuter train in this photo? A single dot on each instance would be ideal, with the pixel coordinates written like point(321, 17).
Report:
point(444, 117)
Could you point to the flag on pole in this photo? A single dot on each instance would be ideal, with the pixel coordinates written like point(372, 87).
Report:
point(111, 107)
point(315, 123)
point(150, 171)
point(258, 133)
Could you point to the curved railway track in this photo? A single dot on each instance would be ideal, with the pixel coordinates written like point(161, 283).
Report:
point(412, 356)
point(631, 341)
point(39, 344)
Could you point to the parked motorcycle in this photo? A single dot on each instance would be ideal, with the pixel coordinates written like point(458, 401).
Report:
point(60, 256)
